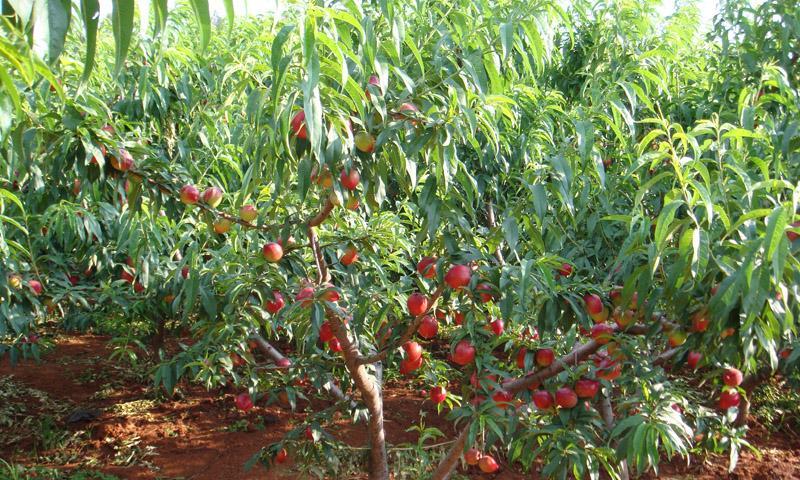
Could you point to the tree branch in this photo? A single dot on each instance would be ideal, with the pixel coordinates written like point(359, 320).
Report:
point(406, 336)
point(276, 356)
point(371, 394)
point(319, 260)
point(168, 189)
point(665, 357)
point(573, 358)
point(607, 412)
point(448, 463)
point(316, 220)
point(518, 384)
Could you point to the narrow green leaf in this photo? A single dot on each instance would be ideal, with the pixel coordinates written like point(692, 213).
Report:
point(90, 10)
point(122, 25)
point(312, 104)
point(539, 200)
point(757, 213)
point(161, 11)
point(585, 131)
point(50, 26)
point(10, 89)
point(415, 51)
point(13, 198)
point(511, 232)
point(23, 9)
point(776, 224)
point(229, 12)
point(664, 222)
point(740, 133)
point(700, 252)
point(506, 38)
point(201, 14)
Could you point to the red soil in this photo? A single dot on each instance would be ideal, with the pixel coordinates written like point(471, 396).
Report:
point(191, 436)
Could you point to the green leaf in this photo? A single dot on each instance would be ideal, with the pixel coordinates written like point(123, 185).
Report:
point(13, 198)
point(585, 131)
point(664, 222)
point(563, 180)
point(776, 224)
point(201, 14)
point(511, 232)
point(312, 104)
point(23, 9)
point(700, 252)
point(757, 213)
point(11, 90)
point(740, 133)
point(409, 41)
point(507, 38)
point(229, 13)
point(626, 115)
point(161, 10)
point(539, 200)
point(122, 25)
point(50, 26)
point(626, 219)
point(90, 10)
point(525, 272)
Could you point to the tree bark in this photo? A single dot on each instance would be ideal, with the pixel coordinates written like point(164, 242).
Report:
point(322, 269)
point(607, 413)
point(368, 385)
point(665, 357)
point(448, 463)
point(277, 356)
point(158, 338)
point(573, 358)
point(750, 383)
point(372, 396)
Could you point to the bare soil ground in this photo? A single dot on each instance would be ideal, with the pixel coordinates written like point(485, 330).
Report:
point(121, 429)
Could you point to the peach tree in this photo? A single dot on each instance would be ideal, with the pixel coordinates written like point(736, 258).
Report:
point(547, 219)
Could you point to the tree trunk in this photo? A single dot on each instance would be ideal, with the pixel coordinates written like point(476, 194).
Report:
point(750, 383)
point(158, 339)
point(370, 390)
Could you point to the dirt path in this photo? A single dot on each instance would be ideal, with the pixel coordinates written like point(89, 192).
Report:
point(134, 436)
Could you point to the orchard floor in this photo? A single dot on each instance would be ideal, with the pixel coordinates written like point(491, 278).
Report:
point(132, 436)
